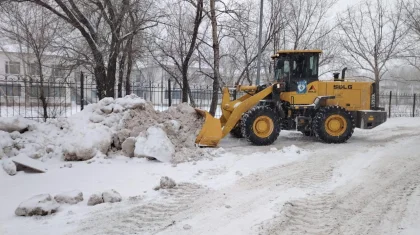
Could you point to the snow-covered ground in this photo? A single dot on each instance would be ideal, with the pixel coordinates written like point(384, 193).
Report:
point(295, 186)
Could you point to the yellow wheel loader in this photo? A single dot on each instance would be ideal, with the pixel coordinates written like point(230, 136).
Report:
point(296, 100)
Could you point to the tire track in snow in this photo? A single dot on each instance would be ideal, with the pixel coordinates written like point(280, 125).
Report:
point(145, 218)
point(374, 206)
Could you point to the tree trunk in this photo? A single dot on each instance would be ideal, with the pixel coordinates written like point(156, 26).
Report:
point(185, 85)
point(100, 78)
point(185, 63)
point(377, 90)
point(111, 72)
point(42, 95)
point(121, 74)
point(216, 59)
point(129, 65)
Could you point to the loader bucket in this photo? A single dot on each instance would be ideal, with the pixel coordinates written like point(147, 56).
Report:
point(211, 132)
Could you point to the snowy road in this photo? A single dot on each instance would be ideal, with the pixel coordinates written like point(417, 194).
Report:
point(366, 186)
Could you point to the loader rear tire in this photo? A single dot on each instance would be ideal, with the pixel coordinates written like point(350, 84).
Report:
point(261, 125)
point(333, 124)
point(237, 131)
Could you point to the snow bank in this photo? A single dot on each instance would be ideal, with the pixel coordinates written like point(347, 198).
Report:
point(42, 204)
point(129, 126)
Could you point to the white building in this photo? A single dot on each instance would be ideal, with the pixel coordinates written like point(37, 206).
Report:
point(20, 79)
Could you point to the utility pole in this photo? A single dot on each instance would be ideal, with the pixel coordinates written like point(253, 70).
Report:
point(257, 82)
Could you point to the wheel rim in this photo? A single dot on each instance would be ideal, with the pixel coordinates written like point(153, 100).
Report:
point(263, 126)
point(335, 125)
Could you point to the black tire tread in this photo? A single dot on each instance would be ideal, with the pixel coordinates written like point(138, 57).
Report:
point(319, 125)
point(247, 121)
point(237, 131)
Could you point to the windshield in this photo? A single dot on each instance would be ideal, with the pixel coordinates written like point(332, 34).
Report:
point(282, 69)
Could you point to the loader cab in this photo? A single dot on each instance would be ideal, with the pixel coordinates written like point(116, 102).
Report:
point(296, 67)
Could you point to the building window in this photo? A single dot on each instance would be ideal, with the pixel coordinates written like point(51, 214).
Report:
point(48, 91)
point(34, 69)
point(10, 89)
point(12, 67)
point(57, 71)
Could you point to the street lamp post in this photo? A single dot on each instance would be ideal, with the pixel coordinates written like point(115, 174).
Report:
point(257, 82)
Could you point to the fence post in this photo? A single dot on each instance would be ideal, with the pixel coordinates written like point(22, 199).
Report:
point(82, 98)
point(414, 106)
point(169, 93)
point(389, 107)
point(150, 89)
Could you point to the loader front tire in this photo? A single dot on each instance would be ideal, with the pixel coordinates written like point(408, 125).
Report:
point(333, 124)
point(261, 125)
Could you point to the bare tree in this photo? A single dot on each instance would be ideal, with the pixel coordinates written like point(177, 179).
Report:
point(372, 33)
point(412, 19)
point(91, 19)
point(216, 57)
point(308, 22)
point(35, 31)
point(174, 45)
point(238, 37)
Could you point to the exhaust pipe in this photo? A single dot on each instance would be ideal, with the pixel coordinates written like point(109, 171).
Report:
point(343, 73)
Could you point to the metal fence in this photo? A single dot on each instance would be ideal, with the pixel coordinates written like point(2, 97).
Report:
point(20, 96)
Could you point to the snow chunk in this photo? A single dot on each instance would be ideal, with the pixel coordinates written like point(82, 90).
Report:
point(107, 109)
point(84, 143)
point(118, 108)
point(9, 166)
point(6, 143)
point(128, 146)
point(111, 196)
point(156, 144)
point(95, 199)
point(23, 162)
point(71, 197)
point(11, 124)
point(166, 182)
point(42, 204)
point(106, 101)
point(96, 118)
point(131, 102)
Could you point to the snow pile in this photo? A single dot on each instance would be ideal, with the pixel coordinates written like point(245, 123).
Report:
point(42, 204)
point(128, 126)
point(72, 197)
